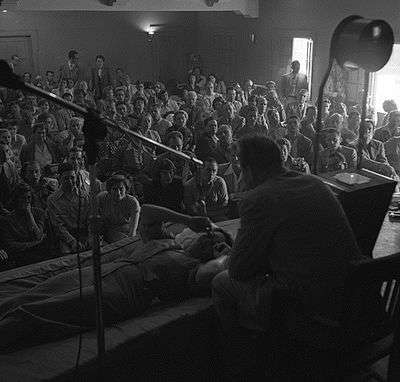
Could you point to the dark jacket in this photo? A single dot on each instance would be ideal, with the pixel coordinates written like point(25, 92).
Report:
point(28, 152)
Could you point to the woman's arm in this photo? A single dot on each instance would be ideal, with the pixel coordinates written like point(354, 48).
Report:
point(152, 213)
point(134, 219)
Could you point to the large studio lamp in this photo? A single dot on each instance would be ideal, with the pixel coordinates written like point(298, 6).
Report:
point(359, 43)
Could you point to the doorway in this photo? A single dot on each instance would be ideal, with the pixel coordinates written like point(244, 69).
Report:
point(302, 51)
point(21, 46)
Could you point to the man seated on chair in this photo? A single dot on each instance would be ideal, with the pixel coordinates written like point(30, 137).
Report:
point(68, 210)
point(335, 156)
point(288, 238)
point(373, 152)
point(158, 269)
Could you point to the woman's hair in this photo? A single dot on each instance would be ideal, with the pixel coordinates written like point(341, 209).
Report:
point(117, 179)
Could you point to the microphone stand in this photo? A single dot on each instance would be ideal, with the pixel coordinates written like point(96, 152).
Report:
point(96, 131)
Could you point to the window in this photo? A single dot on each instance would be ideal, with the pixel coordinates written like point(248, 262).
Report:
point(302, 51)
point(386, 82)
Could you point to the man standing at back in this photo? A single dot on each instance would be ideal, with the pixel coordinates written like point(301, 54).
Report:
point(71, 68)
point(293, 234)
point(291, 83)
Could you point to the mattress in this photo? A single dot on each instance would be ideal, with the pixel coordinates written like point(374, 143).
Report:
point(179, 334)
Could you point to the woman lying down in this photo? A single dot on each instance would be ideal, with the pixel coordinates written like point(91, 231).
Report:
point(157, 270)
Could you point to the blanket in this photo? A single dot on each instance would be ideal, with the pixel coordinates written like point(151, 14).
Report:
point(58, 307)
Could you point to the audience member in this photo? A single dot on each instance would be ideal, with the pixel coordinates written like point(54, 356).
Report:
point(118, 211)
point(206, 193)
point(391, 129)
point(335, 156)
point(250, 114)
point(308, 123)
point(71, 69)
point(160, 124)
point(182, 167)
point(231, 97)
point(208, 143)
point(373, 152)
point(22, 231)
point(8, 176)
point(299, 106)
point(69, 212)
point(388, 106)
point(165, 189)
point(180, 120)
point(229, 117)
point(39, 149)
point(301, 146)
point(292, 83)
point(40, 187)
point(276, 129)
point(350, 133)
point(100, 77)
point(295, 164)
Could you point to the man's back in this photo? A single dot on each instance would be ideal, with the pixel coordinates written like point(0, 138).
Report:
point(293, 228)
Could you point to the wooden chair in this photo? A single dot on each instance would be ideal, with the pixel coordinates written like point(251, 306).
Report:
point(313, 348)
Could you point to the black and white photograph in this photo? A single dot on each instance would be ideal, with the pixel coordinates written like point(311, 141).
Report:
point(200, 190)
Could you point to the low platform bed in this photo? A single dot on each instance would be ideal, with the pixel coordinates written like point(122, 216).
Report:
point(169, 342)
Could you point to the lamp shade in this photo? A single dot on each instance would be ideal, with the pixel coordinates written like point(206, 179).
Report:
point(362, 43)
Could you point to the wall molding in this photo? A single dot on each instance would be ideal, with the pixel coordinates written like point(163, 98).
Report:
point(247, 8)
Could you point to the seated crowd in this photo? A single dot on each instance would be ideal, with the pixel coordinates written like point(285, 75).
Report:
point(45, 186)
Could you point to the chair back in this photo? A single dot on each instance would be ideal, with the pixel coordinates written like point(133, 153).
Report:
point(372, 299)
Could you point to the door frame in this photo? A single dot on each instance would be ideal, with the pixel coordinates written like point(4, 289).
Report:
point(33, 34)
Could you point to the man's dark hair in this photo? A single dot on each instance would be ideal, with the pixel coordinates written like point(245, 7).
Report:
point(173, 135)
point(294, 118)
point(37, 125)
point(64, 167)
point(353, 112)
point(26, 165)
point(248, 109)
point(259, 153)
point(284, 142)
point(101, 57)
point(210, 160)
point(42, 118)
point(330, 130)
point(72, 54)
